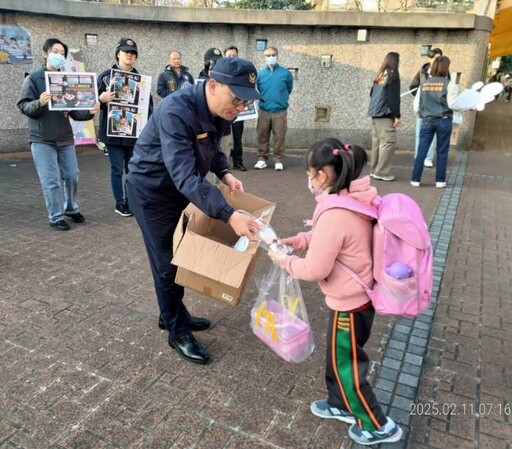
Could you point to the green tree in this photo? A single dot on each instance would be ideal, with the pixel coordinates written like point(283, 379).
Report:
point(274, 4)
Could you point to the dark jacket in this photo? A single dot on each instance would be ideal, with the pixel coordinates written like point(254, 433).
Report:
point(45, 126)
point(419, 78)
point(385, 99)
point(177, 148)
point(103, 85)
point(169, 81)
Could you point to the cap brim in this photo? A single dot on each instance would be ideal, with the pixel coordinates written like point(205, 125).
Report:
point(245, 93)
point(124, 48)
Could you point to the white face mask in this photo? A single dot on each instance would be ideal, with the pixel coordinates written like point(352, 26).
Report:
point(271, 60)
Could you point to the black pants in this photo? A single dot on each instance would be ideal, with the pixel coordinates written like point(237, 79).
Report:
point(347, 367)
point(157, 215)
point(237, 128)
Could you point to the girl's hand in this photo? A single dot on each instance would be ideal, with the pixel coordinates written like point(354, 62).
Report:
point(276, 257)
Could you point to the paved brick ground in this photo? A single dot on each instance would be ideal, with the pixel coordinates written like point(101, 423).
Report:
point(82, 363)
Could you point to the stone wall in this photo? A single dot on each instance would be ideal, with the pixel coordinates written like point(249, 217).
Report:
point(343, 88)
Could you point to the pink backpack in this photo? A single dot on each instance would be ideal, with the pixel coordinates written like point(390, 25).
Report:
point(402, 253)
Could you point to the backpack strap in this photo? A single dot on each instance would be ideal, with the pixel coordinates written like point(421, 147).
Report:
point(354, 276)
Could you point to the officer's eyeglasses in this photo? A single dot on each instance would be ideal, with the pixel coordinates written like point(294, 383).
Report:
point(237, 101)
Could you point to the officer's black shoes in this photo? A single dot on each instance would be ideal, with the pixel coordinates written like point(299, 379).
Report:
point(195, 324)
point(60, 225)
point(239, 167)
point(189, 349)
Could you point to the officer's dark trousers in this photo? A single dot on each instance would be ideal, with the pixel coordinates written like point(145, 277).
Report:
point(157, 215)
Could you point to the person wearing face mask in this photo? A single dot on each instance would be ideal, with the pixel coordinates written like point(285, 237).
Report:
point(341, 236)
point(176, 149)
point(119, 149)
point(275, 84)
point(51, 139)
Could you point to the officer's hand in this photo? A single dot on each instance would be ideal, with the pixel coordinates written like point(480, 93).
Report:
point(232, 182)
point(243, 225)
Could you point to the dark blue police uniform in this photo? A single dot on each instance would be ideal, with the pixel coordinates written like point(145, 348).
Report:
point(177, 148)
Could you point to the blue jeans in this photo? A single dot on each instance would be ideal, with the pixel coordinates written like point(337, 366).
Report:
point(119, 158)
point(57, 169)
point(430, 154)
point(430, 128)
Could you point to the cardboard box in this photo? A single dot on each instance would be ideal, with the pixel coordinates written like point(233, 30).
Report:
point(204, 254)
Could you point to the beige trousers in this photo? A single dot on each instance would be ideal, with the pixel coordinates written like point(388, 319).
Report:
point(383, 146)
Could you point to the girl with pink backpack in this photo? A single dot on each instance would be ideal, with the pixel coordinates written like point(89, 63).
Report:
point(341, 235)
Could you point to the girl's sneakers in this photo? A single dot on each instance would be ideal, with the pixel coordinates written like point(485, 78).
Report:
point(323, 410)
point(388, 433)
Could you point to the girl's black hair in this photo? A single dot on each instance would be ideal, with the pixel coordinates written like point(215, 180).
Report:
point(331, 152)
point(49, 43)
point(360, 160)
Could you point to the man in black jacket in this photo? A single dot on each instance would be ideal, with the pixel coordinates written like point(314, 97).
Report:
point(174, 77)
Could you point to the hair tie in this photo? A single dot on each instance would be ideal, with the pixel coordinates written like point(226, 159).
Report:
point(336, 152)
point(347, 147)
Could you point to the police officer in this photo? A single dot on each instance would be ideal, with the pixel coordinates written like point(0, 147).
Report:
point(177, 148)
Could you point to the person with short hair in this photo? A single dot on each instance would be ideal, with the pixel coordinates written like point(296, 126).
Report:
point(275, 84)
point(420, 77)
point(51, 139)
point(119, 149)
point(174, 77)
point(176, 149)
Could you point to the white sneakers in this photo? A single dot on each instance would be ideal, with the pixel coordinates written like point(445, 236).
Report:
point(384, 178)
point(260, 165)
point(428, 163)
point(439, 185)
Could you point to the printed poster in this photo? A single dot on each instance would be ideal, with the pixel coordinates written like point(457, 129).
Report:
point(251, 112)
point(128, 111)
point(15, 47)
point(71, 91)
point(84, 132)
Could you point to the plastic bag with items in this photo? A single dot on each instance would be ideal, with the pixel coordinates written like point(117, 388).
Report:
point(279, 317)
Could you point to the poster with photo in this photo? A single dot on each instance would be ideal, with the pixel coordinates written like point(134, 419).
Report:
point(122, 121)
point(128, 111)
point(71, 91)
point(15, 46)
point(83, 131)
point(251, 112)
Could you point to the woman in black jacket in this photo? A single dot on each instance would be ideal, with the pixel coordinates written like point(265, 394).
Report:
point(384, 110)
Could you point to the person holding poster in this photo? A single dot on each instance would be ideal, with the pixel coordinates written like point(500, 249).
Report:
point(115, 128)
point(174, 153)
point(51, 139)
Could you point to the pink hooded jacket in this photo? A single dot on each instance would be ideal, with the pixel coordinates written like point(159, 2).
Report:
point(339, 234)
